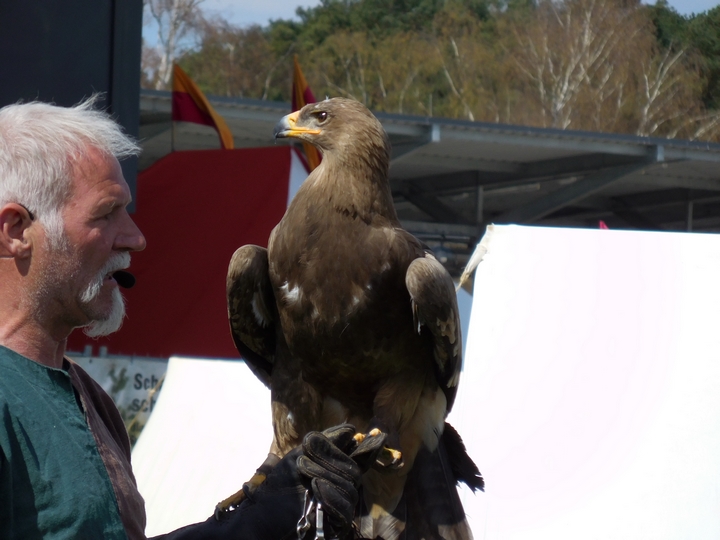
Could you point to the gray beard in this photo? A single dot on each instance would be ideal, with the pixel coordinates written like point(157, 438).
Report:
point(113, 322)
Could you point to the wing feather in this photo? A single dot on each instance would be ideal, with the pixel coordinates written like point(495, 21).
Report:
point(252, 310)
point(434, 305)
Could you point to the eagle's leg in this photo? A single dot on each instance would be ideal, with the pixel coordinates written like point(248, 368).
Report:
point(389, 457)
point(296, 409)
point(411, 410)
point(249, 487)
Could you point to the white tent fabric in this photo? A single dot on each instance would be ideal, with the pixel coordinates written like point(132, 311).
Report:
point(209, 431)
point(590, 398)
point(298, 174)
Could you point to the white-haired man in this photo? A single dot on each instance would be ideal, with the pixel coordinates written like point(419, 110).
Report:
point(65, 238)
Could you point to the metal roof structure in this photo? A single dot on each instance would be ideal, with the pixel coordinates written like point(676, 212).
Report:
point(450, 178)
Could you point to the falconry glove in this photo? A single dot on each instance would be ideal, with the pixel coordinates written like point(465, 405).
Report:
point(332, 478)
point(321, 469)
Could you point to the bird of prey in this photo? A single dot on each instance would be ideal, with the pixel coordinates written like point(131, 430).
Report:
point(349, 318)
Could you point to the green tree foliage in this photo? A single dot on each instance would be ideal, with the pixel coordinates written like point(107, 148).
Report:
point(700, 36)
point(237, 62)
point(602, 65)
point(704, 36)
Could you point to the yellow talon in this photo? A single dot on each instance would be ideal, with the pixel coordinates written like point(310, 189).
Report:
point(233, 500)
point(389, 457)
point(236, 499)
point(360, 437)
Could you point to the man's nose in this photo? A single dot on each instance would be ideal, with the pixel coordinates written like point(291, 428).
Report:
point(130, 237)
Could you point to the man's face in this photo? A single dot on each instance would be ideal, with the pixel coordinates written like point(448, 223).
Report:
point(98, 236)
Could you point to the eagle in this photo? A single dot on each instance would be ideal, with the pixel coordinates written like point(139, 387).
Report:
point(347, 317)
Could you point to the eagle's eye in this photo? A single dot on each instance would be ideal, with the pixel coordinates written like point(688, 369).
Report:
point(321, 117)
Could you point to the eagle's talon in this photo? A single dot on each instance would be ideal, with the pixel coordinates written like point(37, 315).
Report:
point(220, 512)
point(229, 504)
point(390, 458)
point(360, 437)
point(234, 500)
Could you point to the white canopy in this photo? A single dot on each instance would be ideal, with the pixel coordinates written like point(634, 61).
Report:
point(209, 431)
point(591, 393)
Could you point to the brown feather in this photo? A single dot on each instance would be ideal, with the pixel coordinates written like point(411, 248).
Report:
point(251, 309)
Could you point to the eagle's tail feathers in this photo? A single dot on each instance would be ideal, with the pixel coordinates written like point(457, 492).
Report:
point(463, 467)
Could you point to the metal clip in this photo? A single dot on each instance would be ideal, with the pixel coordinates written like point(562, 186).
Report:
point(319, 532)
point(304, 524)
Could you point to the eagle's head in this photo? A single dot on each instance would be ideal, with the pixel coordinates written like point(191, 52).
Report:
point(341, 129)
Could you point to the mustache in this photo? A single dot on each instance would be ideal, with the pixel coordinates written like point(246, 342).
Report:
point(117, 261)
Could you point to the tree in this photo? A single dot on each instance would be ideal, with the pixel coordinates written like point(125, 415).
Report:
point(233, 61)
point(704, 36)
point(175, 21)
point(571, 50)
point(601, 65)
point(471, 49)
point(596, 64)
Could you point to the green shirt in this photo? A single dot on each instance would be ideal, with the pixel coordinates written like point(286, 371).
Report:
point(53, 482)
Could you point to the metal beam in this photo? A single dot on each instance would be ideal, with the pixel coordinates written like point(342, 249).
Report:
point(431, 205)
point(569, 142)
point(651, 202)
point(567, 195)
point(148, 131)
point(551, 169)
point(707, 184)
point(574, 165)
point(631, 216)
point(444, 230)
point(442, 182)
point(692, 154)
point(403, 147)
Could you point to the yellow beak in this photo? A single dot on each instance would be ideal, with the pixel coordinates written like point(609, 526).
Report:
point(287, 127)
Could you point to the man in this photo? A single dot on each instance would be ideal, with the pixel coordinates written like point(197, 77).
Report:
point(64, 455)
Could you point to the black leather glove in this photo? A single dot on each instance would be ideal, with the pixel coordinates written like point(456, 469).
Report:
point(333, 477)
point(322, 465)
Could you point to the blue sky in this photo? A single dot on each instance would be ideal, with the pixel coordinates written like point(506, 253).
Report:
point(246, 12)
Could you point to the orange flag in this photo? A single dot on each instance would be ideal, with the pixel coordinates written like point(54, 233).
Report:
point(189, 104)
point(301, 96)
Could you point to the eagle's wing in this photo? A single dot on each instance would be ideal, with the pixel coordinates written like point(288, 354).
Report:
point(434, 306)
point(251, 309)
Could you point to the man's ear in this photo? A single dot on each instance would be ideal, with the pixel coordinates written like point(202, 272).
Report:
point(15, 220)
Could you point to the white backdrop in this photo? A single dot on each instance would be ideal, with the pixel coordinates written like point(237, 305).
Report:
point(209, 431)
point(590, 398)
